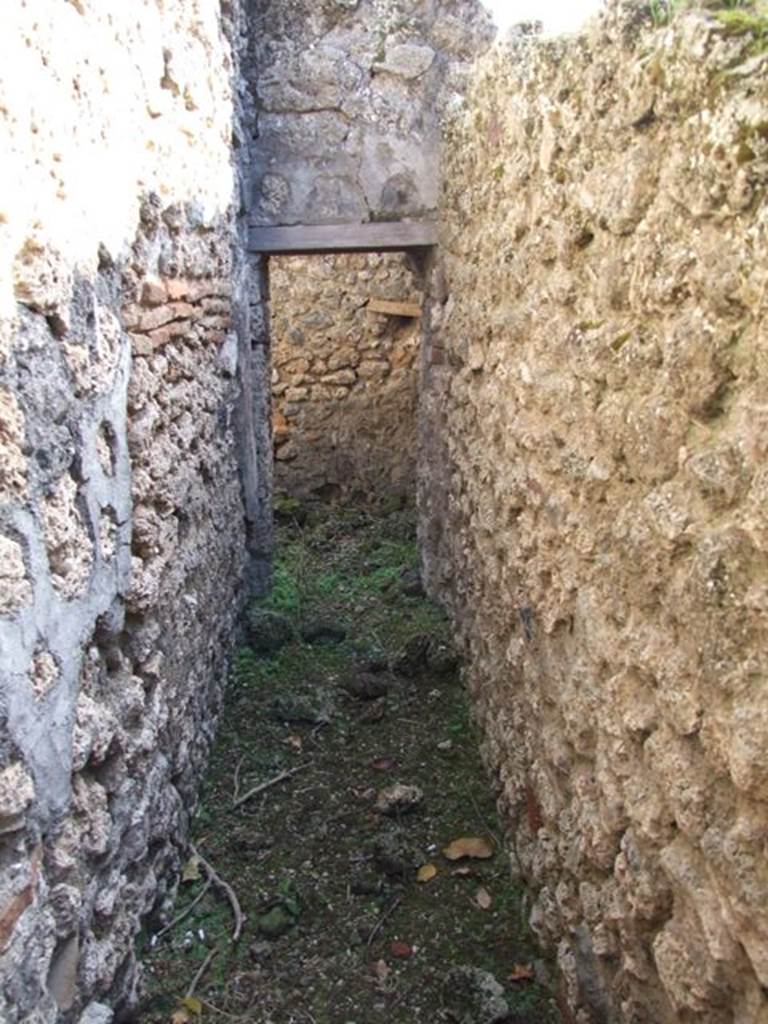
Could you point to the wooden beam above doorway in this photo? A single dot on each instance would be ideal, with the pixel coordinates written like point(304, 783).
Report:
point(379, 236)
point(408, 309)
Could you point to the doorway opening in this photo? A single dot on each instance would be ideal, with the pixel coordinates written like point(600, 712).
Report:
point(345, 338)
point(345, 311)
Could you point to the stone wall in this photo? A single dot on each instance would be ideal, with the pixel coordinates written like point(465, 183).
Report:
point(344, 376)
point(121, 515)
point(349, 96)
point(594, 484)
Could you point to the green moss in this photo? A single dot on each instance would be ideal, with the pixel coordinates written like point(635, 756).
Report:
point(738, 21)
point(287, 509)
point(744, 153)
point(285, 595)
point(739, 16)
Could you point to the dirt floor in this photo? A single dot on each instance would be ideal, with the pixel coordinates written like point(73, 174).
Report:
point(354, 911)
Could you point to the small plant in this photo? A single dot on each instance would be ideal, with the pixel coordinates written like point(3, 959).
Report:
point(285, 595)
point(663, 11)
point(244, 666)
point(737, 21)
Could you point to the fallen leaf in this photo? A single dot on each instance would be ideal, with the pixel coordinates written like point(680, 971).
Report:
point(521, 972)
point(426, 873)
point(383, 764)
point(402, 950)
point(483, 898)
point(191, 870)
point(193, 1004)
point(480, 849)
point(463, 872)
point(295, 743)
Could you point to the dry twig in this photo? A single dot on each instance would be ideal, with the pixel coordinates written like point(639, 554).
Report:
point(380, 923)
point(270, 782)
point(236, 792)
point(200, 972)
point(221, 1013)
point(180, 917)
point(226, 888)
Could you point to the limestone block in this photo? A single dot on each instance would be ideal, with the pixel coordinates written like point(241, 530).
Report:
point(69, 547)
point(690, 978)
point(153, 293)
point(15, 587)
point(42, 276)
point(285, 136)
point(314, 80)
point(93, 818)
point(343, 359)
point(339, 377)
point(17, 790)
point(13, 468)
point(333, 199)
point(408, 60)
point(398, 175)
point(43, 674)
point(372, 369)
point(96, 1013)
point(95, 726)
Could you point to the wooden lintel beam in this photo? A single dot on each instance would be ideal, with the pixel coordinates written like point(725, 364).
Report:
point(385, 236)
point(410, 309)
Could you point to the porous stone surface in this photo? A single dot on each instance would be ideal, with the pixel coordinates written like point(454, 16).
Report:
point(344, 377)
point(122, 548)
point(349, 99)
point(593, 497)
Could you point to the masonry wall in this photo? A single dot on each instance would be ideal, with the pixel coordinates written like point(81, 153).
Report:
point(594, 483)
point(344, 378)
point(121, 512)
point(349, 96)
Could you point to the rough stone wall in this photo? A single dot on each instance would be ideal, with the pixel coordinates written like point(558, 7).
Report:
point(349, 96)
point(121, 540)
point(344, 377)
point(593, 500)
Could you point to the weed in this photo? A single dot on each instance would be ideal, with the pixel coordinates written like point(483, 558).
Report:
point(244, 667)
point(663, 11)
point(285, 596)
point(737, 21)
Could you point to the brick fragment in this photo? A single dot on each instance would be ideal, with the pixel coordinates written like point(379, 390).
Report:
point(153, 292)
point(162, 335)
point(165, 314)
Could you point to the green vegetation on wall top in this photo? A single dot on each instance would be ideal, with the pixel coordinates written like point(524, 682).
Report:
point(740, 15)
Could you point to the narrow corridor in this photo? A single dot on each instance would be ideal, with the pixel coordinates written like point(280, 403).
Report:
point(359, 904)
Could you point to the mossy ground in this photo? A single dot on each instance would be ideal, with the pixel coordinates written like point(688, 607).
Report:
point(306, 846)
